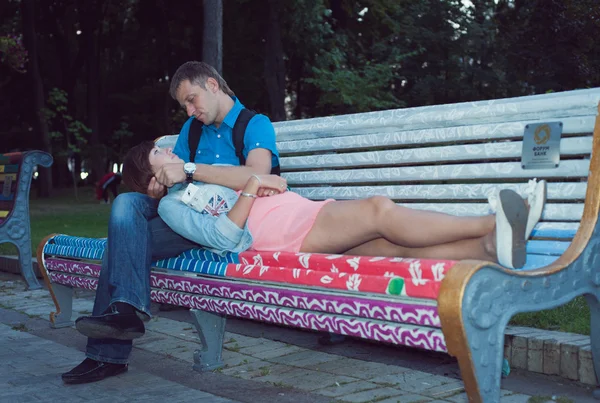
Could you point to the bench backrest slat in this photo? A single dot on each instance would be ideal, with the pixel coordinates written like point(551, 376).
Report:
point(561, 191)
point(397, 137)
point(552, 212)
point(543, 107)
point(575, 146)
point(437, 173)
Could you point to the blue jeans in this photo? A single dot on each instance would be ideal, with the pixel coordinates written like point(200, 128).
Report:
point(136, 237)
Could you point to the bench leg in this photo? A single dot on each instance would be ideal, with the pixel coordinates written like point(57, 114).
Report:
point(64, 299)
point(594, 303)
point(26, 265)
point(211, 329)
point(482, 358)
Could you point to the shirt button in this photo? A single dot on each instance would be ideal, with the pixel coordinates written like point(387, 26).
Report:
point(257, 144)
point(218, 136)
point(199, 152)
point(217, 155)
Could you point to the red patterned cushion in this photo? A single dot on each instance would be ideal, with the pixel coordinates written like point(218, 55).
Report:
point(418, 278)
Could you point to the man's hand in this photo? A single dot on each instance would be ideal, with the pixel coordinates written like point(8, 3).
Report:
point(170, 174)
point(155, 189)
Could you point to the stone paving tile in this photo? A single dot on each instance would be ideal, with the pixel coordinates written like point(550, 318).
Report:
point(450, 388)
point(305, 358)
point(277, 371)
point(180, 330)
point(312, 380)
point(266, 345)
point(409, 399)
point(434, 386)
point(347, 388)
point(516, 398)
point(239, 370)
point(183, 352)
point(277, 352)
point(266, 373)
point(21, 397)
point(30, 380)
point(459, 398)
point(305, 379)
point(372, 395)
point(242, 341)
point(232, 358)
point(360, 369)
point(316, 359)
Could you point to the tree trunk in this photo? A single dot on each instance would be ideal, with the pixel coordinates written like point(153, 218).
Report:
point(93, 87)
point(39, 104)
point(212, 35)
point(274, 65)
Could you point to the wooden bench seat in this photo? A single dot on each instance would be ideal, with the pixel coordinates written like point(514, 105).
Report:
point(447, 158)
point(16, 170)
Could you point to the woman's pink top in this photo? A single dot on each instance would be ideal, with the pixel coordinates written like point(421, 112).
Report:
point(281, 222)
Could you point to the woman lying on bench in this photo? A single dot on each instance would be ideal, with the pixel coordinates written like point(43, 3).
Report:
point(224, 220)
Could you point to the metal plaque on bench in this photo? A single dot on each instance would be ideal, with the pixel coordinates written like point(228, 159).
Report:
point(541, 145)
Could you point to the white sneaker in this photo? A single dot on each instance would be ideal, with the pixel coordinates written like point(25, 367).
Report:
point(511, 221)
point(536, 197)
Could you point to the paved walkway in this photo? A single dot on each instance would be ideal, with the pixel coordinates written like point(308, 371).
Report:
point(263, 363)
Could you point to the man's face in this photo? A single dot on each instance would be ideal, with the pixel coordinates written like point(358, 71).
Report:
point(161, 156)
point(197, 101)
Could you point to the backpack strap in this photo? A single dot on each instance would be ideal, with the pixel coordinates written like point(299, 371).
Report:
point(194, 138)
point(239, 131)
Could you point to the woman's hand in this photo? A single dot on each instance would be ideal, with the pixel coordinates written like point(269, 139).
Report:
point(270, 185)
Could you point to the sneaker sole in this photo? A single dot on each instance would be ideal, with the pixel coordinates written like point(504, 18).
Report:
point(100, 331)
point(512, 207)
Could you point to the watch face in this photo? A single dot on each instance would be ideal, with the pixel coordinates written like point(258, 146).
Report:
point(189, 168)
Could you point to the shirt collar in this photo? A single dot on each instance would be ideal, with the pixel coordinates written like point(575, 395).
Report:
point(233, 114)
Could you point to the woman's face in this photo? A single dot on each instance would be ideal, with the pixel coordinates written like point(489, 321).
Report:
point(161, 156)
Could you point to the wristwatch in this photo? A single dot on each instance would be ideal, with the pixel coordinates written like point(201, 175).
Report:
point(189, 168)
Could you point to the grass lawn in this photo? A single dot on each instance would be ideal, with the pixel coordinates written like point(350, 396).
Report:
point(64, 214)
point(86, 217)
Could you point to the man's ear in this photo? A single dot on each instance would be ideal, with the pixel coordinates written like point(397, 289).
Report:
point(212, 85)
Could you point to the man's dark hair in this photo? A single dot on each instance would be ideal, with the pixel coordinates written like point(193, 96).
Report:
point(137, 170)
point(197, 73)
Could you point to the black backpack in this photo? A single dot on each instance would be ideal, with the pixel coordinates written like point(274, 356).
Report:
point(239, 130)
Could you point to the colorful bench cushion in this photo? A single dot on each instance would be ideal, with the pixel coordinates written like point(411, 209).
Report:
point(416, 278)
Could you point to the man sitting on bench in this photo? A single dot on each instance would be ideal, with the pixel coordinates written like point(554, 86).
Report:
point(137, 236)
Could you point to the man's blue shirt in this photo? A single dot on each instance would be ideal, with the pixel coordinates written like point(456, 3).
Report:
point(216, 144)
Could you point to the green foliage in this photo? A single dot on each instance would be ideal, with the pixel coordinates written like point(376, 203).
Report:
point(119, 140)
point(68, 134)
point(340, 56)
point(13, 53)
point(572, 317)
point(363, 89)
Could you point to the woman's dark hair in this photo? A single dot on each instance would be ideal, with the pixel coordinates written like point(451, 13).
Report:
point(137, 170)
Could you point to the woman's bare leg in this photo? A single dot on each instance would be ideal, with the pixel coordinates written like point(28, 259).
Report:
point(482, 248)
point(343, 225)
